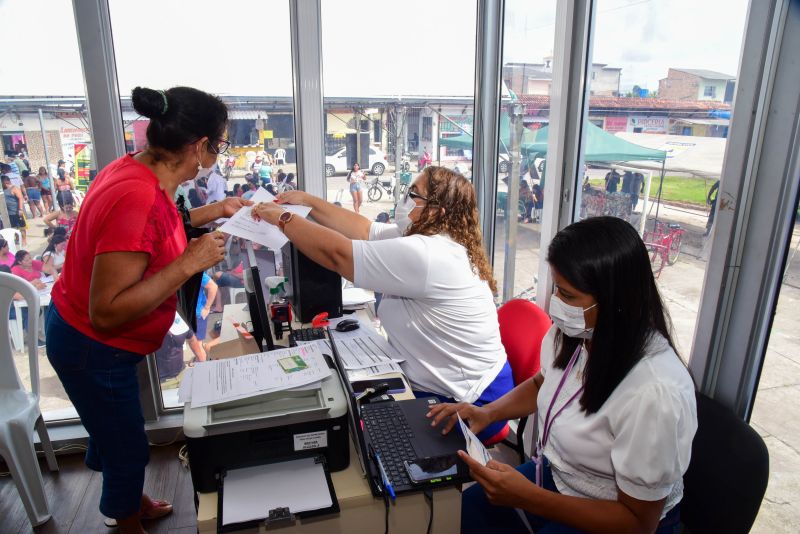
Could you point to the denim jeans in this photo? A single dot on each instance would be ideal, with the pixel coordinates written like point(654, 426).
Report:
point(478, 515)
point(102, 384)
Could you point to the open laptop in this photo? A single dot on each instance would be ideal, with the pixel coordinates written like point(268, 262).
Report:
point(399, 432)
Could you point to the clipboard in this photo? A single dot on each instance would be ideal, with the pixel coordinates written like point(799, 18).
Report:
point(278, 515)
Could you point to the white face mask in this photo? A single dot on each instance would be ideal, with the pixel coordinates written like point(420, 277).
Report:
point(402, 212)
point(569, 319)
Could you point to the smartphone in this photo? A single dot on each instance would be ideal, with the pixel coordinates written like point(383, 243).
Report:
point(395, 385)
point(435, 469)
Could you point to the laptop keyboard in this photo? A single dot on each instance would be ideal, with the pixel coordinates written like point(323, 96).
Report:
point(391, 436)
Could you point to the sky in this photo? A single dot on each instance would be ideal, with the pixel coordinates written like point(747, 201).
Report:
point(370, 47)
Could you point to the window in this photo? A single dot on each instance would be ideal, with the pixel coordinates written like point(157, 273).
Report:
point(710, 91)
point(38, 73)
point(776, 410)
point(528, 40)
point(257, 88)
point(414, 93)
point(674, 209)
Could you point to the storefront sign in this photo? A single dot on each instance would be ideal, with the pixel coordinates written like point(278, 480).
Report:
point(616, 124)
point(654, 125)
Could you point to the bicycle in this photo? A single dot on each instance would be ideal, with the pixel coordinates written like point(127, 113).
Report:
point(663, 244)
point(376, 187)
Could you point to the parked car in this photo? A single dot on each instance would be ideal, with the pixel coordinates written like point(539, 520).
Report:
point(504, 164)
point(337, 162)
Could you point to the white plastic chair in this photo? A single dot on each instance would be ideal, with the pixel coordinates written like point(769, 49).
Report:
point(14, 238)
point(280, 156)
point(77, 197)
point(19, 409)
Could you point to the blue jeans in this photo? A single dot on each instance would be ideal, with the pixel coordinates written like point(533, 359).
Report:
point(478, 515)
point(102, 384)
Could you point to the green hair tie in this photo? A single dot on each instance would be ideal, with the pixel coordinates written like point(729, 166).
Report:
point(166, 104)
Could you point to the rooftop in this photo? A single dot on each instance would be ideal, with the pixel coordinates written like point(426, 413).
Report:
point(707, 74)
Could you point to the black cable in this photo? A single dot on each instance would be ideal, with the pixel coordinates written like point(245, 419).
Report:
point(386, 505)
point(429, 498)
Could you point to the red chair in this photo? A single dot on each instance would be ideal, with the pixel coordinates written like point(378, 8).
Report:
point(523, 325)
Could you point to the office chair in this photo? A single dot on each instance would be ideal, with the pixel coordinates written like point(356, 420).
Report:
point(523, 325)
point(727, 475)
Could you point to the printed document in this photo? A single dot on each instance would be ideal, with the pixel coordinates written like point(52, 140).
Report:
point(250, 493)
point(366, 356)
point(218, 381)
point(474, 446)
point(243, 225)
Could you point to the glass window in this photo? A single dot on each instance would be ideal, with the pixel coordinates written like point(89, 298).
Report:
point(776, 412)
point(668, 139)
point(528, 40)
point(251, 70)
point(42, 64)
point(380, 77)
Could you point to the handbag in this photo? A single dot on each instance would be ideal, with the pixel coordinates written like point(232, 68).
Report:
point(189, 292)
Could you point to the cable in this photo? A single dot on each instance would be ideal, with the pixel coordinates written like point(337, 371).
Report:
point(170, 442)
point(429, 497)
point(386, 518)
point(183, 456)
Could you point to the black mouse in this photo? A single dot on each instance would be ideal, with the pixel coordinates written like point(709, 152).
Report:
point(347, 325)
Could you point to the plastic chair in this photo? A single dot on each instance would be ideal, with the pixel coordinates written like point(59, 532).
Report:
point(19, 409)
point(14, 238)
point(523, 325)
point(280, 156)
point(727, 475)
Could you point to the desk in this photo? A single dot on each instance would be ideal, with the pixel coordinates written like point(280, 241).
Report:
point(360, 511)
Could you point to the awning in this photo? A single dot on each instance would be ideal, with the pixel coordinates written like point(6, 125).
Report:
point(706, 122)
point(246, 114)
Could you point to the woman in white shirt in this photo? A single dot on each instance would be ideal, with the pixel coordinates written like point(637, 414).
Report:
point(356, 180)
point(53, 255)
point(438, 306)
point(615, 406)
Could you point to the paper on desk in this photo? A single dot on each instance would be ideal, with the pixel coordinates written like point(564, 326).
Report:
point(243, 225)
point(250, 493)
point(355, 296)
point(367, 356)
point(474, 446)
point(185, 387)
point(218, 381)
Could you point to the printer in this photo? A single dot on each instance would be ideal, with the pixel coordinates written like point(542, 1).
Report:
point(282, 424)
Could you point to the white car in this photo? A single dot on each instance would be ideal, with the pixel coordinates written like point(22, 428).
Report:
point(337, 162)
point(504, 164)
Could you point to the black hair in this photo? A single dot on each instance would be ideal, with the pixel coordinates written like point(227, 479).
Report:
point(5, 269)
point(55, 240)
point(18, 257)
point(47, 233)
point(59, 230)
point(605, 257)
point(246, 188)
point(3, 243)
point(180, 116)
point(25, 174)
point(5, 168)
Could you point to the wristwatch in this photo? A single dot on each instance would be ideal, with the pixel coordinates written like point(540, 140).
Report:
point(284, 218)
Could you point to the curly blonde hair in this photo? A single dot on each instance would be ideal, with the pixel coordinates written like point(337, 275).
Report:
point(459, 220)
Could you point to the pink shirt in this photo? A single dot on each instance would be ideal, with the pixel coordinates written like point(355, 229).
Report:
point(8, 260)
point(30, 276)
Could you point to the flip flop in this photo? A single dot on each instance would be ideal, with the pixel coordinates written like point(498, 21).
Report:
point(158, 509)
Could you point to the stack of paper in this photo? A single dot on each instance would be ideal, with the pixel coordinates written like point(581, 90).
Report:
point(367, 356)
point(243, 225)
point(218, 381)
point(355, 297)
point(474, 446)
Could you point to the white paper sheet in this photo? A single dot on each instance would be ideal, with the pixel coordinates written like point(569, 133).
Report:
point(355, 296)
point(218, 381)
point(243, 225)
point(367, 356)
point(474, 446)
point(185, 387)
point(251, 492)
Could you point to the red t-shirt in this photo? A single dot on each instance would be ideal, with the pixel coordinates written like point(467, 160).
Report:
point(125, 210)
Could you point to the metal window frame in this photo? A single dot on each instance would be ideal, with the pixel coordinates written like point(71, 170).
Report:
point(758, 192)
point(309, 114)
point(96, 49)
point(568, 104)
point(489, 25)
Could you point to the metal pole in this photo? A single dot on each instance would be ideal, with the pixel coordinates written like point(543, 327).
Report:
point(510, 258)
point(660, 189)
point(645, 201)
point(399, 142)
point(44, 143)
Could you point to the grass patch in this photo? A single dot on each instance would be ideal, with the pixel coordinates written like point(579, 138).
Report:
point(676, 188)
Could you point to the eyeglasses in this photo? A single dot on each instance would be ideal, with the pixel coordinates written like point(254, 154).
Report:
point(222, 147)
point(415, 195)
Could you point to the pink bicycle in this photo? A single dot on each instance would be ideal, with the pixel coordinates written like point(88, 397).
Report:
point(663, 244)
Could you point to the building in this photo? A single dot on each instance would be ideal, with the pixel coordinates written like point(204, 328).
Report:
point(697, 84)
point(536, 78)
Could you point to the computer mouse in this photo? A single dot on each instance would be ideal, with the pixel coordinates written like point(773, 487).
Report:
point(347, 325)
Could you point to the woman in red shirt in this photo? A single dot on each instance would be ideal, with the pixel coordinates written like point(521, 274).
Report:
point(116, 297)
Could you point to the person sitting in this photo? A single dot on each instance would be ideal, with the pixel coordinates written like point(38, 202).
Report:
point(31, 270)
point(438, 306)
point(6, 257)
point(65, 218)
point(247, 191)
point(615, 404)
point(169, 357)
point(53, 255)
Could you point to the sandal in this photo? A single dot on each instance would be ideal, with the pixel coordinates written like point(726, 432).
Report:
point(156, 510)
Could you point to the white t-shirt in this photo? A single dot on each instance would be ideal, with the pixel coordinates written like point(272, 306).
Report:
point(216, 188)
point(640, 440)
point(439, 315)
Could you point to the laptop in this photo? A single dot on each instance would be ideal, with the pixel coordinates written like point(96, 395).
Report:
point(399, 432)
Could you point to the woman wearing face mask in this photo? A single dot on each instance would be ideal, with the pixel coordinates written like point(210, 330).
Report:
point(437, 284)
point(615, 405)
point(116, 297)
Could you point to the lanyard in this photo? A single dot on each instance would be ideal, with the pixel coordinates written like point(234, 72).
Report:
point(548, 421)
